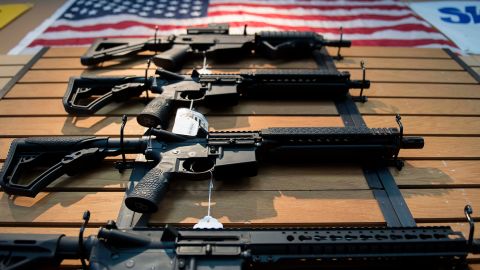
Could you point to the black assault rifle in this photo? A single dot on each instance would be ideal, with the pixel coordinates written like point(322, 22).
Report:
point(213, 41)
point(85, 96)
point(245, 248)
point(225, 154)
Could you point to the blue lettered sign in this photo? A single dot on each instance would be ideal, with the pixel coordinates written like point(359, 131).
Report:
point(458, 20)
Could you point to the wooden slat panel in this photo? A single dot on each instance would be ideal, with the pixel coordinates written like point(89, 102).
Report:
point(54, 107)
point(426, 204)
point(402, 52)
point(14, 59)
point(110, 126)
point(270, 177)
point(375, 75)
point(446, 148)
point(430, 125)
point(271, 207)
point(259, 122)
point(285, 177)
point(103, 177)
point(406, 106)
point(61, 207)
point(37, 90)
point(9, 71)
point(65, 52)
point(349, 62)
point(477, 70)
point(3, 82)
point(141, 63)
point(420, 90)
point(34, 76)
point(416, 173)
point(438, 173)
point(471, 60)
point(74, 63)
point(358, 51)
point(57, 90)
point(55, 126)
point(398, 63)
point(49, 230)
point(418, 76)
point(4, 146)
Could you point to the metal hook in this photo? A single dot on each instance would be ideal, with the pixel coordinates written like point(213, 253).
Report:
point(122, 131)
point(122, 165)
point(364, 73)
point(146, 85)
point(468, 214)
point(339, 56)
point(398, 118)
point(86, 218)
point(149, 142)
point(399, 163)
point(155, 38)
point(204, 61)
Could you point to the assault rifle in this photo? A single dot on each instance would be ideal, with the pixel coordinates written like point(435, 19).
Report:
point(224, 154)
point(213, 41)
point(85, 96)
point(244, 248)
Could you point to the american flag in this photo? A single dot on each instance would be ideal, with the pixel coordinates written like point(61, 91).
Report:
point(365, 22)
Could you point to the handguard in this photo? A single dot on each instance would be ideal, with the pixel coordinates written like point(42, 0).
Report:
point(85, 96)
point(287, 43)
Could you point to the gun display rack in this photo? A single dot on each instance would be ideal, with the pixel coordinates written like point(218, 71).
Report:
point(459, 93)
point(379, 179)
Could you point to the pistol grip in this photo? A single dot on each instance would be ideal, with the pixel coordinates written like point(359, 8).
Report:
point(157, 112)
point(172, 59)
point(149, 191)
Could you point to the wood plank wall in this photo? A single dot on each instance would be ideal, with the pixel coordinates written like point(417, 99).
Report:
point(435, 96)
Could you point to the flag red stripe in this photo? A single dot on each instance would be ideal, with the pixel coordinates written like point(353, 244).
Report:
point(316, 17)
point(377, 42)
point(347, 30)
point(320, 7)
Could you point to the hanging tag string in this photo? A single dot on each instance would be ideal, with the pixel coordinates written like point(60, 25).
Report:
point(209, 222)
point(204, 61)
point(210, 189)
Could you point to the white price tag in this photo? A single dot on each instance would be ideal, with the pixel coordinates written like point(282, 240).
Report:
point(189, 122)
point(208, 222)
